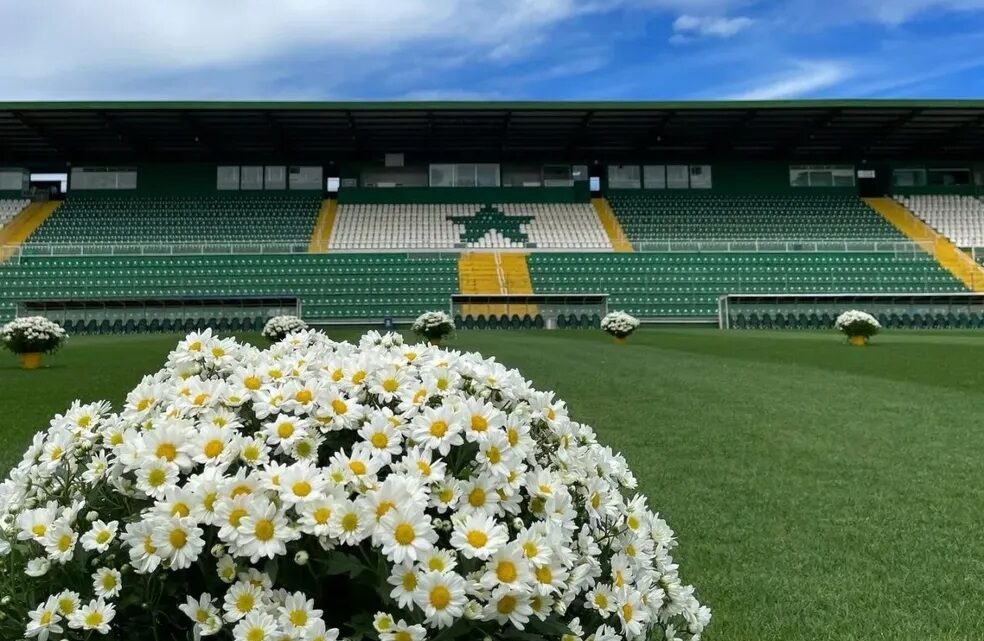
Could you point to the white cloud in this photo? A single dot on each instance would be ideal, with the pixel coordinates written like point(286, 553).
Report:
point(689, 28)
point(709, 26)
point(806, 78)
point(83, 44)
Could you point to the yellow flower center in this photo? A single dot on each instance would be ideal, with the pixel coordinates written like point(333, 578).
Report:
point(424, 467)
point(64, 542)
point(252, 383)
point(632, 522)
point(245, 602)
point(201, 616)
point(251, 452)
point(264, 530)
point(446, 494)
point(601, 601)
point(209, 501)
point(530, 549)
point(440, 597)
point(478, 423)
point(493, 455)
point(321, 515)
point(379, 440)
point(143, 404)
point(409, 581)
point(201, 399)
point(39, 529)
point(506, 604)
point(239, 490)
point(337, 375)
point(285, 430)
point(595, 500)
point(339, 406)
point(218, 352)
point(477, 538)
point(166, 451)
point(94, 619)
point(512, 435)
point(108, 582)
point(301, 488)
point(156, 477)
point(358, 467)
point(358, 377)
point(476, 498)
point(275, 373)
point(213, 448)
point(177, 538)
point(391, 385)
point(438, 429)
point(195, 347)
point(627, 612)
point(505, 571)
point(45, 618)
point(304, 396)
point(383, 508)
point(544, 575)
point(66, 606)
point(256, 634)
point(350, 522)
point(298, 618)
point(404, 534)
point(149, 546)
point(102, 537)
point(236, 516)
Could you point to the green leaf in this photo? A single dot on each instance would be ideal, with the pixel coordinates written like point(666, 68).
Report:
point(341, 563)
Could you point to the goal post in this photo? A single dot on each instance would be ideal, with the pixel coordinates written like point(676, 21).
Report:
point(963, 310)
point(550, 311)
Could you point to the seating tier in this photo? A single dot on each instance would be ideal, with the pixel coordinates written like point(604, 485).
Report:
point(10, 207)
point(649, 217)
point(329, 286)
point(571, 226)
point(216, 219)
point(689, 284)
point(959, 218)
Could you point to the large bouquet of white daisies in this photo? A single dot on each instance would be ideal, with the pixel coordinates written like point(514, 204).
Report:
point(313, 489)
point(278, 327)
point(857, 323)
point(619, 324)
point(32, 334)
point(433, 325)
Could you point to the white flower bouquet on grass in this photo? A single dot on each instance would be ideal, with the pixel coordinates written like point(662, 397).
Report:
point(858, 326)
point(278, 327)
point(433, 326)
point(619, 324)
point(317, 489)
point(32, 335)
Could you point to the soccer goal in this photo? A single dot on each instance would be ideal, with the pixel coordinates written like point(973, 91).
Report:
point(550, 311)
point(819, 311)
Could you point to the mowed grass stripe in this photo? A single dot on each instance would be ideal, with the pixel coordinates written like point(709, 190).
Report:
point(819, 491)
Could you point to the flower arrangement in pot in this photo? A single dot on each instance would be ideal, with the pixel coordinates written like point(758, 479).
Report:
point(858, 326)
point(620, 325)
point(434, 326)
point(31, 336)
point(279, 327)
point(317, 490)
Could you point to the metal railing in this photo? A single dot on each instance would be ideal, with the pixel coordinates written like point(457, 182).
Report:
point(892, 245)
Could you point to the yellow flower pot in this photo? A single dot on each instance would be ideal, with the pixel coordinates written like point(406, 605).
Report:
point(620, 340)
point(30, 360)
point(859, 341)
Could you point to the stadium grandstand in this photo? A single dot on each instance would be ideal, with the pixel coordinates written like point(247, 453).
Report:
point(362, 212)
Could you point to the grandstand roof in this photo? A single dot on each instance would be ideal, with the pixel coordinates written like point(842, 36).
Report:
point(39, 132)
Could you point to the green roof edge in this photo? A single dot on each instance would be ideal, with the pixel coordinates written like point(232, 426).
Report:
point(498, 105)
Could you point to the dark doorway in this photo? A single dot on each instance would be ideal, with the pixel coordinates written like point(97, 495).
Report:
point(874, 181)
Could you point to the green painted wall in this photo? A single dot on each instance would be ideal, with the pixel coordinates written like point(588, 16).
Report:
point(179, 179)
point(576, 194)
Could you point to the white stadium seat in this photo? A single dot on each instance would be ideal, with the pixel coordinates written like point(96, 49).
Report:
point(569, 226)
point(959, 218)
point(10, 207)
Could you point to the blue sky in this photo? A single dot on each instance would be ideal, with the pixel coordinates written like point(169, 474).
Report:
point(491, 49)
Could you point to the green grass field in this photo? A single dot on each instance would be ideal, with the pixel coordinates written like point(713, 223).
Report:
point(819, 491)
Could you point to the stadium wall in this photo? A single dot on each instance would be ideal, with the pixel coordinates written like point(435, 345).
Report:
point(405, 195)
